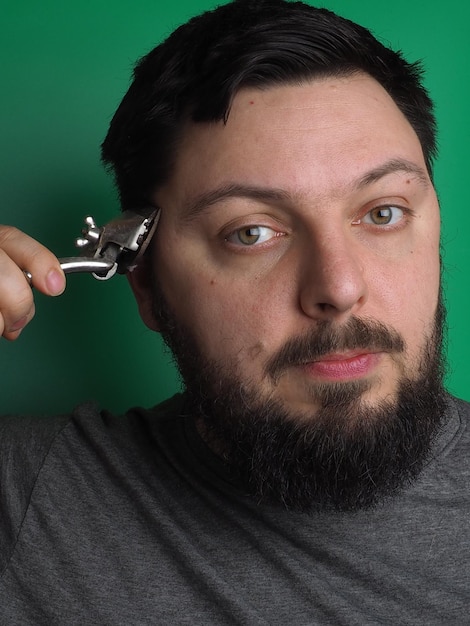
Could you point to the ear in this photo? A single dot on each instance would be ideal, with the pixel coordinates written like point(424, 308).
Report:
point(140, 280)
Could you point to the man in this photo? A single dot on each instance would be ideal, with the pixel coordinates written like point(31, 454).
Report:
point(315, 471)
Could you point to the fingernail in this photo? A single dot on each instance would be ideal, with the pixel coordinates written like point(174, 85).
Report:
point(55, 282)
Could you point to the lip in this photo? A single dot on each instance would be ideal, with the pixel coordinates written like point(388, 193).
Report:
point(349, 366)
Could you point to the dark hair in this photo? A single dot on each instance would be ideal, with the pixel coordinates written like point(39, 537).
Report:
point(195, 74)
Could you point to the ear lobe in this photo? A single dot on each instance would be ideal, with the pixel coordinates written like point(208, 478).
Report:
point(140, 280)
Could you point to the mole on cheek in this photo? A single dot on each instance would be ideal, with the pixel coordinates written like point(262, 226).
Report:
point(255, 350)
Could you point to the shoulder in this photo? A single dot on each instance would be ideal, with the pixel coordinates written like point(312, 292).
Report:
point(24, 446)
point(459, 444)
point(135, 426)
point(59, 450)
point(449, 466)
point(459, 418)
point(25, 441)
point(462, 406)
point(29, 438)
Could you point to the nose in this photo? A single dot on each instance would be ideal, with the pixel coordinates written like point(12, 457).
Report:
point(333, 283)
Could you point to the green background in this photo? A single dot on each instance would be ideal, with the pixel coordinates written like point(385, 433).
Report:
point(64, 68)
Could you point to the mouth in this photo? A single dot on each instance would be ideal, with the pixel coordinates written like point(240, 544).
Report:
point(345, 366)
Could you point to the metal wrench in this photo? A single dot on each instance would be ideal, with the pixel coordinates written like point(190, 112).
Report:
point(117, 246)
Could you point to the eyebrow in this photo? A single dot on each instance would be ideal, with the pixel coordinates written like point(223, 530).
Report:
point(395, 166)
point(269, 194)
point(233, 190)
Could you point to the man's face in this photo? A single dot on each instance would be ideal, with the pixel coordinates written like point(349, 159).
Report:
point(296, 278)
point(311, 207)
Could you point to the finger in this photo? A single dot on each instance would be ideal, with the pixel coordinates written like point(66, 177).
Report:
point(17, 327)
point(31, 256)
point(16, 297)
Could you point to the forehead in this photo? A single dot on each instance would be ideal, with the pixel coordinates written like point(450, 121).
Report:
point(319, 134)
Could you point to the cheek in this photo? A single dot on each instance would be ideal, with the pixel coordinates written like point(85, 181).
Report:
point(230, 319)
point(410, 292)
point(229, 313)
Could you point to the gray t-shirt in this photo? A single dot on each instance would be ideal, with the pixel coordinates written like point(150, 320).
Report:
point(132, 520)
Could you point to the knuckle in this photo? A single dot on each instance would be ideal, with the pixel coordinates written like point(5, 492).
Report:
point(7, 233)
point(16, 300)
point(24, 300)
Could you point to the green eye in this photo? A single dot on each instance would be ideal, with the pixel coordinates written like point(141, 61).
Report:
point(383, 216)
point(251, 235)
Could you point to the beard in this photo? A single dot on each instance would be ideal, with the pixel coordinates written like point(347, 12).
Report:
point(345, 455)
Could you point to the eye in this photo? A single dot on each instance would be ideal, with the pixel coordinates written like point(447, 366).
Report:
point(383, 216)
point(251, 235)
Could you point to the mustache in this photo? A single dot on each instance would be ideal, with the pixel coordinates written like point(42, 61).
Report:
point(326, 338)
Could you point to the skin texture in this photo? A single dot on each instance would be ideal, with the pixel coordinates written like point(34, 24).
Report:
point(313, 165)
point(17, 251)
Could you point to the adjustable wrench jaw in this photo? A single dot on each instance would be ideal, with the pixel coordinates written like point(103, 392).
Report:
point(117, 246)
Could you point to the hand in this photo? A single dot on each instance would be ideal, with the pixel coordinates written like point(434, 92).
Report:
point(20, 253)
